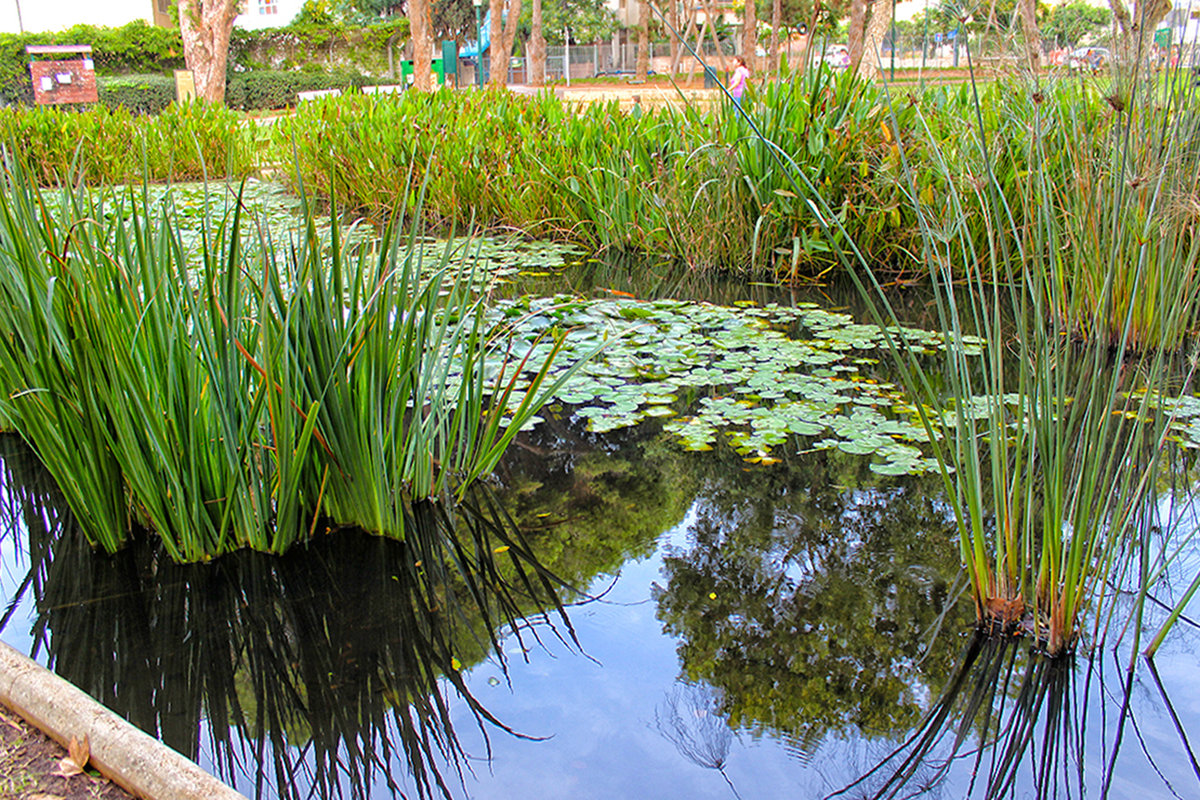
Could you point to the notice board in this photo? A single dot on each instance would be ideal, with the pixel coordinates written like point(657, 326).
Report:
point(59, 80)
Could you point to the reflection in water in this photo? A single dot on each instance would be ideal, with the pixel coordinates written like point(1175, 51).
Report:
point(809, 605)
point(802, 600)
point(690, 719)
point(1012, 706)
point(329, 662)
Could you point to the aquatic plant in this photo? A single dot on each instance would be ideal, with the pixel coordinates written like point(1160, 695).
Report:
point(1048, 452)
point(242, 396)
point(106, 145)
point(274, 655)
point(1022, 708)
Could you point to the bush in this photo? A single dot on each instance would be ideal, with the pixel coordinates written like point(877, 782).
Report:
point(141, 94)
point(268, 89)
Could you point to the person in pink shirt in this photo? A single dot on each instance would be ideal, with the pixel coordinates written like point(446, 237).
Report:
point(737, 83)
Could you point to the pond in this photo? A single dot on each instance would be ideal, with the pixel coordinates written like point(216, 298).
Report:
point(762, 596)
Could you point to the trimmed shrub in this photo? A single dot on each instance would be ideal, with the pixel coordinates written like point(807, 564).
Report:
point(134, 48)
point(269, 89)
point(141, 94)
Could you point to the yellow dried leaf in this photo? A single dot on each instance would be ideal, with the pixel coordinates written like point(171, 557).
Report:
point(78, 754)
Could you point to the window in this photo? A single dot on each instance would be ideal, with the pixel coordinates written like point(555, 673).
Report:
point(164, 6)
point(268, 6)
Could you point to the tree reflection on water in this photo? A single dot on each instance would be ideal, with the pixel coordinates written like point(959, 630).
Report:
point(808, 604)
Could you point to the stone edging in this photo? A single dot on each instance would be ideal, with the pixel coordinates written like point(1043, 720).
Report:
point(130, 758)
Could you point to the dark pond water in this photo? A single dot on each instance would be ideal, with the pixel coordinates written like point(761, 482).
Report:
point(742, 631)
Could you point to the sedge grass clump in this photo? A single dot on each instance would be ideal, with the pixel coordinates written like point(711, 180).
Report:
point(241, 395)
point(1050, 442)
point(111, 146)
point(681, 183)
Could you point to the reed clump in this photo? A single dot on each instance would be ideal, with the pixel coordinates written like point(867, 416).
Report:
point(113, 146)
point(1082, 285)
point(241, 395)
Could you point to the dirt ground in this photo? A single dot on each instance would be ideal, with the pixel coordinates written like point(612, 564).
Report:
point(28, 761)
point(652, 94)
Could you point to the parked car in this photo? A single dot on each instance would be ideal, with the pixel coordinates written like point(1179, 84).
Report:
point(1090, 58)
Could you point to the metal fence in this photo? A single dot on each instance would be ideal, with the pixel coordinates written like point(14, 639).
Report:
point(606, 58)
point(590, 60)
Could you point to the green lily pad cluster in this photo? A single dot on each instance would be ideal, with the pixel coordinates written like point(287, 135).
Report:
point(1185, 419)
point(756, 375)
point(272, 208)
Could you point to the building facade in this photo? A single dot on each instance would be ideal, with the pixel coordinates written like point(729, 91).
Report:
point(37, 16)
point(268, 13)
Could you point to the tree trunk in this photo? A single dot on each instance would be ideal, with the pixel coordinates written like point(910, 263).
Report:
point(205, 27)
point(503, 34)
point(510, 32)
point(497, 61)
point(776, 21)
point(858, 25)
point(688, 33)
point(537, 48)
point(643, 56)
point(419, 27)
point(750, 34)
point(881, 18)
point(673, 18)
point(693, 63)
point(1033, 37)
point(1135, 25)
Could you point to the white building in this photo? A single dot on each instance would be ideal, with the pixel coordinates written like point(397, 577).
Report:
point(267, 13)
point(1184, 21)
point(37, 16)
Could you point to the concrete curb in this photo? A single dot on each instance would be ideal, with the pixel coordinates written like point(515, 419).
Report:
point(130, 758)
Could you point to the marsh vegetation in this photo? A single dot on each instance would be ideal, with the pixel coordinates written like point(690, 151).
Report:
point(224, 372)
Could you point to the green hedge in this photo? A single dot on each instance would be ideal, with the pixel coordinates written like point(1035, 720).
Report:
point(250, 91)
point(141, 94)
point(268, 89)
point(134, 48)
point(139, 50)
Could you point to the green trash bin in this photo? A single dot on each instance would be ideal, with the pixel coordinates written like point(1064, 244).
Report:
point(711, 81)
point(406, 72)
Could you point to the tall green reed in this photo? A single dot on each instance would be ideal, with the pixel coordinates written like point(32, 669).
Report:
point(243, 394)
point(105, 145)
point(1046, 434)
point(1050, 442)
